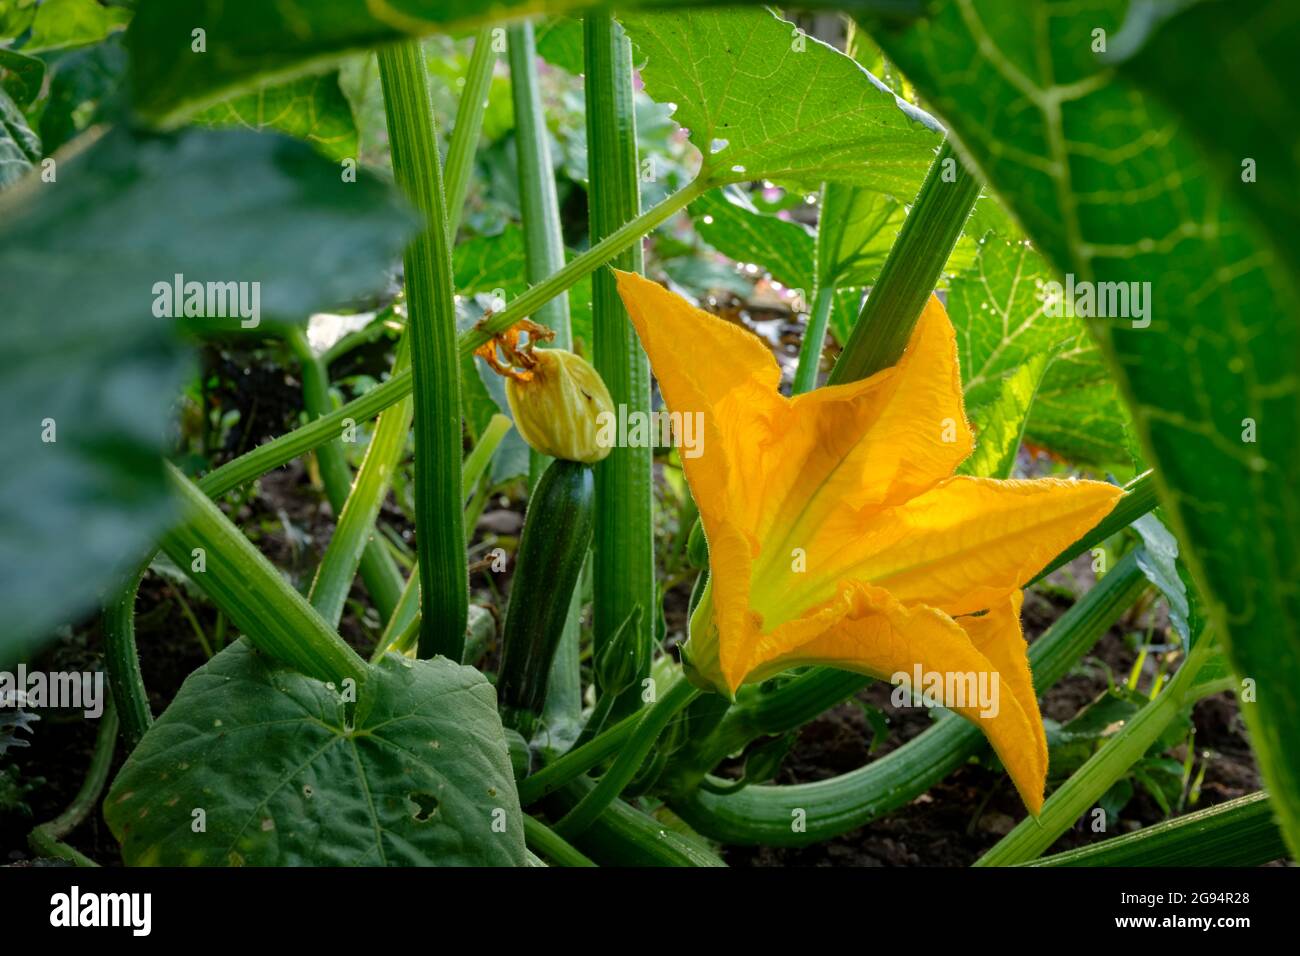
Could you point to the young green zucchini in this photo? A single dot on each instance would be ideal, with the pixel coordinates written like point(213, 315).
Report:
point(557, 533)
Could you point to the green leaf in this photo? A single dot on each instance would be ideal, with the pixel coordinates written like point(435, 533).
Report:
point(15, 17)
point(21, 76)
point(249, 41)
point(727, 220)
point(855, 230)
point(19, 146)
point(82, 86)
point(285, 776)
point(1115, 186)
point(84, 360)
point(1159, 562)
point(1000, 423)
point(559, 43)
point(763, 101)
point(997, 308)
point(311, 108)
point(64, 23)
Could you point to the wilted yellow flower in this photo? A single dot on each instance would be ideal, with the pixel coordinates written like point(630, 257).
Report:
point(555, 396)
point(837, 532)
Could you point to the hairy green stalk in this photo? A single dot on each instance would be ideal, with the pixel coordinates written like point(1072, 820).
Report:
point(47, 839)
point(122, 664)
point(630, 758)
point(435, 364)
point(407, 612)
point(623, 546)
point(765, 815)
point(624, 836)
point(1241, 832)
point(242, 582)
point(353, 539)
point(545, 842)
point(912, 269)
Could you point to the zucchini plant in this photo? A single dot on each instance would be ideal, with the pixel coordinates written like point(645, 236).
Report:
point(648, 385)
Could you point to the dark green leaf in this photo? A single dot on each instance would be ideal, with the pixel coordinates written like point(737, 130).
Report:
point(285, 776)
point(82, 88)
point(84, 359)
point(21, 76)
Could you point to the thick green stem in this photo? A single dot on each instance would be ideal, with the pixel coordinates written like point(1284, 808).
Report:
point(1241, 832)
point(545, 842)
point(630, 759)
point(623, 547)
point(577, 761)
point(47, 839)
point(826, 808)
point(122, 663)
point(407, 612)
point(911, 271)
point(353, 538)
point(242, 582)
point(814, 338)
point(431, 328)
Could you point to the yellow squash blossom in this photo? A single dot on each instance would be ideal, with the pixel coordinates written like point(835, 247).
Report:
point(838, 534)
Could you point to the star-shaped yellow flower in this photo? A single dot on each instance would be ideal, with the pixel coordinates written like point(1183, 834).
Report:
point(838, 533)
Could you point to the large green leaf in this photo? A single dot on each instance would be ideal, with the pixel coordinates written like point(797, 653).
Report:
point(248, 41)
point(997, 307)
point(88, 372)
point(762, 101)
point(1113, 186)
point(66, 23)
point(284, 775)
point(310, 107)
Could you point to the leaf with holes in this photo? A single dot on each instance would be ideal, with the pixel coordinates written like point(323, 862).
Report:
point(254, 764)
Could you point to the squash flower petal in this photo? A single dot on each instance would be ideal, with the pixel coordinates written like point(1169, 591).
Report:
point(838, 534)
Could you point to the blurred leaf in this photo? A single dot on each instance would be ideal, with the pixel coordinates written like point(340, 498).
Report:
point(15, 17)
point(559, 42)
point(762, 101)
point(311, 108)
point(82, 89)
point(84, 360)
point(419, 776)
point(250, 40)
point(65, 23)
point(21, 76)
point(1000, 423)
point(997, 308)
point(1115, 186)
point(19, 146)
